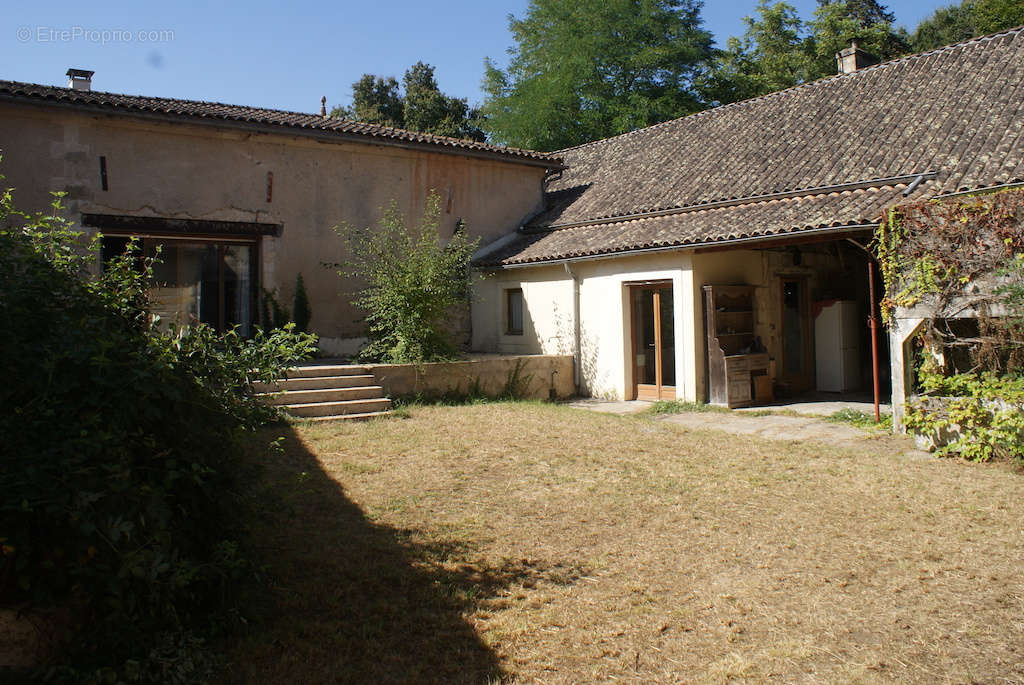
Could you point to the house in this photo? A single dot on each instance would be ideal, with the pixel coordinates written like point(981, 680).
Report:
point(722, 256)
point(632, 262)
point(242, 199)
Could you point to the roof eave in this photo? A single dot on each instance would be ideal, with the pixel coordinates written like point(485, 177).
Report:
point(284, 129)
point(725, 243)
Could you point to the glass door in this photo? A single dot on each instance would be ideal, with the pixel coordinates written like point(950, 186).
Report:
point(199, 281)
point(654, 351)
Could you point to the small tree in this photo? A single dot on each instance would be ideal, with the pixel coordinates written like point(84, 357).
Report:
point(300, 306)
point(412, 282)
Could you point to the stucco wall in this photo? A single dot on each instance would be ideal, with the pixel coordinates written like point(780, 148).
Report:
point(547, 312)
point(605, 346)
point(605, 327)
point(191, 171)
point(539, 377)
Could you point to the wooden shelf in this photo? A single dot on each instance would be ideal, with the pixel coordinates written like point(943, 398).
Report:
point(730, 373)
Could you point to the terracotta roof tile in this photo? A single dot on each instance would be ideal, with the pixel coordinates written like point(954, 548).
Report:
point(747, 221)
point(292, 122)
point(957, 111)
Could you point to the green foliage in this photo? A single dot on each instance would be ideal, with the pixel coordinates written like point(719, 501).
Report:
point(227, 365)
point(978, 416)
point(859, 419)
point(413, 281)
point(583, 70)
point(683, 407)
point(429, 110)
point(969, 19)
point(933, 254)
point(774, 53)
point(375, 100)
point(938, 247)
point(118, 456)
point(837, 22)
point(423, 107)
point(300, 306)
point(273, 314)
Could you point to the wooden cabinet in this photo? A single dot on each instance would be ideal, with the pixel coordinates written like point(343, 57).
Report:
point(734, 352)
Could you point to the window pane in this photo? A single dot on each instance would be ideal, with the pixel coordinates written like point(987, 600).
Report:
point(237, 288)
point(515, 311)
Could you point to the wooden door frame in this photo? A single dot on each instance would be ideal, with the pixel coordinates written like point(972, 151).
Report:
point(661, 391)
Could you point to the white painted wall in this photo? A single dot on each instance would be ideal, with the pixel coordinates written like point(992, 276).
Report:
point(605, 345)
point(547, 312)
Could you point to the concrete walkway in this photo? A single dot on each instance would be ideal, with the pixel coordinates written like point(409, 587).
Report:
point(775, 427)
point(772, 426)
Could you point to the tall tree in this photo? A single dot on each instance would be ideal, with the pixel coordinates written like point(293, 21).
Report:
point(377, 100)
point(422, 107)
point(429, 110)
point(587, 69)
point(967, 20)
point(772, 54)
point(837, 22)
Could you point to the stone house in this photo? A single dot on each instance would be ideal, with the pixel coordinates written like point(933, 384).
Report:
point(720, 256)
point(628, 263)
point(243, 199)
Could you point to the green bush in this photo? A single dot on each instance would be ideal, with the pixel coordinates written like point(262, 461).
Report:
point(413, 282)
point(977, 416)
point(300, 306)
point(118, 457)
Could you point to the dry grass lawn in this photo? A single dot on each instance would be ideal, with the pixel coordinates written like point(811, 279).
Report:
point(542, 544)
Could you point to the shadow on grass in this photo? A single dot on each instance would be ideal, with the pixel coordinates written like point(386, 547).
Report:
point(348, 600)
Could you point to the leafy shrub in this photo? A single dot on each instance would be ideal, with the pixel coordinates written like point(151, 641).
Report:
point(413, 282)
point(273, 314)
point(118, 455)
point(977, 416)
point(300, 306)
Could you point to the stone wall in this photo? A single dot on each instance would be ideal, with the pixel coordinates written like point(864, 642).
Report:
point(538, 377)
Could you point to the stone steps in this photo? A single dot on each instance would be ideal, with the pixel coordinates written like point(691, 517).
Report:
point(324, 392)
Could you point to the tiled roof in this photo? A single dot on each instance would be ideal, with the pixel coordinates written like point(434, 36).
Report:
point(957, 111)
point(740, 222)
point(291, 122)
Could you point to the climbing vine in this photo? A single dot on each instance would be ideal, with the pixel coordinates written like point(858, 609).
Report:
point(937, 247)
point(959, 263)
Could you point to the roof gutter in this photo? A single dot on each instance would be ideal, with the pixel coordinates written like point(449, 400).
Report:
point(913, 179)
point(840, 230)
point(283, 129)
point(976, 191)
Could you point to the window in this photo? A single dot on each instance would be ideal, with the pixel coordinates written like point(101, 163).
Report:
point(514, 311)
point(196, 280)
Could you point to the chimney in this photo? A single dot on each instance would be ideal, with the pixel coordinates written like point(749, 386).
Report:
point(853, 58)
point(80, 79)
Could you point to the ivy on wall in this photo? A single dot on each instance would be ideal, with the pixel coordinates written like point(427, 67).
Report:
point(939, 247)
point(947, 258)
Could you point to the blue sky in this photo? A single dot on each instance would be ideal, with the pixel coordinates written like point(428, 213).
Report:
point(274, 54)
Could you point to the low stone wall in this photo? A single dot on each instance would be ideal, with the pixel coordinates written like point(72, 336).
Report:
point(539, 377)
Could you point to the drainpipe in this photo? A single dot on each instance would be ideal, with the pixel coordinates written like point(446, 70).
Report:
point(576, 327)
point(874, 334)
point(872, 324)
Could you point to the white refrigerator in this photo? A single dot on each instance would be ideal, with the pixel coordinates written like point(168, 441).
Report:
point(837, 357)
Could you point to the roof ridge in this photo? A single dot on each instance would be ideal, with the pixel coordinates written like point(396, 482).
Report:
point(159, 103)
point(799, 86)
point(159, 97)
